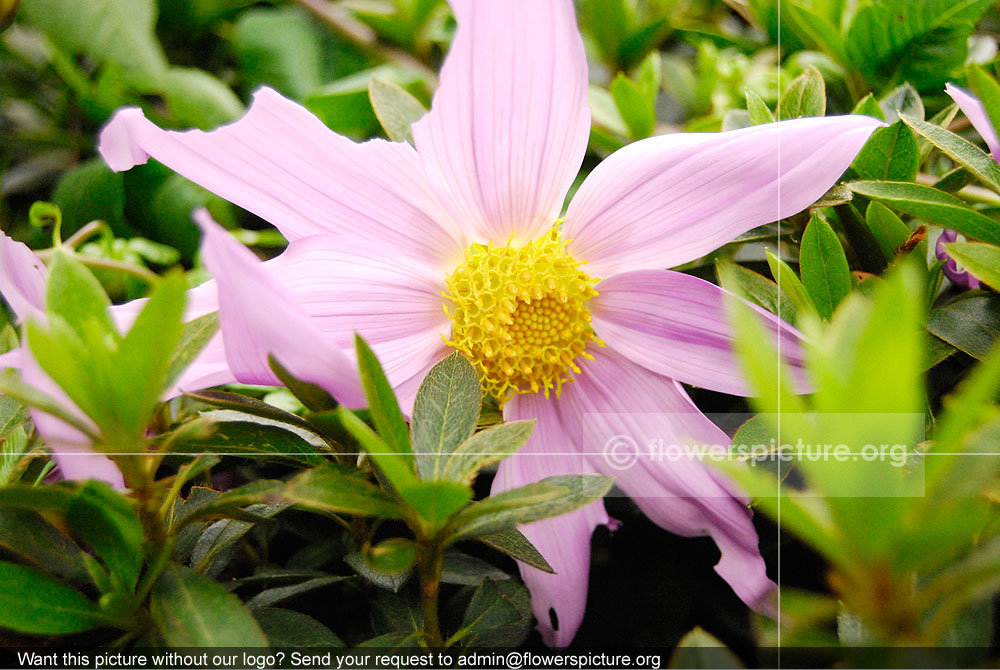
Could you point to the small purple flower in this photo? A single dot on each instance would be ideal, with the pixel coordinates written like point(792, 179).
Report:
point(950, 267)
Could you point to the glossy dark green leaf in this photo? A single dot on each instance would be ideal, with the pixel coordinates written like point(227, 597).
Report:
point(499, 615)
point(242, 403)
point(28, 535)
point(288, 628)
point(279, 594)
point(825, 273)
point(445, 413)
point(459, 568)
point(970, 322)
point(390, 581)
point(107, 522)
point(229, 432)
point(754, 287)
point(313, 396)
point(889, 231)
point(931, 205)
point(192, 610)
point(32, 602)
point(790, 284)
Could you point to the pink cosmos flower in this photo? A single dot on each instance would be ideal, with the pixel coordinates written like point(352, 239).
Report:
point(974, 110)
point(458, 244)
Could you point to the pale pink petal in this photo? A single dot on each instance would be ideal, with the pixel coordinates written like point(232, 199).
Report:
point(259, 317)
point(676, 325)
point(70, 448)
point(976, 113)
point(396, 304)
point(642, 429)
point(281, 163)
point(22, 278)
point(667, 200)
point(564, 540)
point(509, 124)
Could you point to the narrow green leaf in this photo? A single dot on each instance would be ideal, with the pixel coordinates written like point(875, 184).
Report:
point(397, 469)
point(931, 205)
point(27, 534)
point(228, 432)
point(395, 108)
point(32, 602)
point(192, 610)
point(11, 385)
point(248, 405)
point(754, 287)
point(823, 264)
point(279, 594)
point(790, 284)
point(329, 490)
point(759, 111)
point(513, 543)
point(963, 152)
point(890, 154)
point(486, 446)
point(313, 396)
point(382, 403)
point(889, 231)
point(636, 110)
point(805, 96)
point(982, 260)
point(445, 413)
point(195, 336)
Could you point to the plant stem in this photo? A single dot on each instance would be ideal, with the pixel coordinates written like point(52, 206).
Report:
point(431, 562)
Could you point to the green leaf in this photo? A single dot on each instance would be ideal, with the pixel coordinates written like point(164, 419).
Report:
point(818, 29)
point(903, 98)
point(279, 47)
point(382, 403)
point(923, 42)
point(513, 543)
point(54, 497)
point(120, 31)
point(987, 90)
point(759, 111)
point(869, 107)
point(963, 152)
point(216, 545)
point(313, 396)
point(204, 503)
point(487, 446)
point(931, 205)
point(192, 610)
point(195, 336)
point(32, 602)
point(970, 322)
point(445, 413)
point(499, 615)
point(392, 556)
point(89, 192)
point(982, 260)
point(825, 273)
point(197, 98)
point(550, 497)
point(75, 295)
point(754, 287)
point(790, 284)
point(388, 581)
point(890, 154)
point(106, 521)
point(287, 628)
point(887, 228)
point(228, 432)
point(329, 490)
point(435, 501)
point(636, 109)
point(396, 109)
point(805, 96)
point(396, 468)
point(248, 405)
point(143, 359)
point(459, 568)
point(27, 534)
point(279, 594)
point(698, 649)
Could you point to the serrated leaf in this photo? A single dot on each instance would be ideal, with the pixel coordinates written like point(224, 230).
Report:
point(805, 96)
point(445, 413)
point(931, 205)
point(396, 109)
point(192, 610)
point(826, 275)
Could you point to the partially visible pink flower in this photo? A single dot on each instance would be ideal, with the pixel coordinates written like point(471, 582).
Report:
point(980, 120)
point(379, 231)
point(22, 282)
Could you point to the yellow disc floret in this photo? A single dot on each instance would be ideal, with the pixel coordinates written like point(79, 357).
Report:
point(519, 314)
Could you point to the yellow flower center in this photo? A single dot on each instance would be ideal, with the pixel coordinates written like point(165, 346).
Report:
point(519, 314)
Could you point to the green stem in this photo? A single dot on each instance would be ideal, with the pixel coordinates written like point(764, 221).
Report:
point(431, 563)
